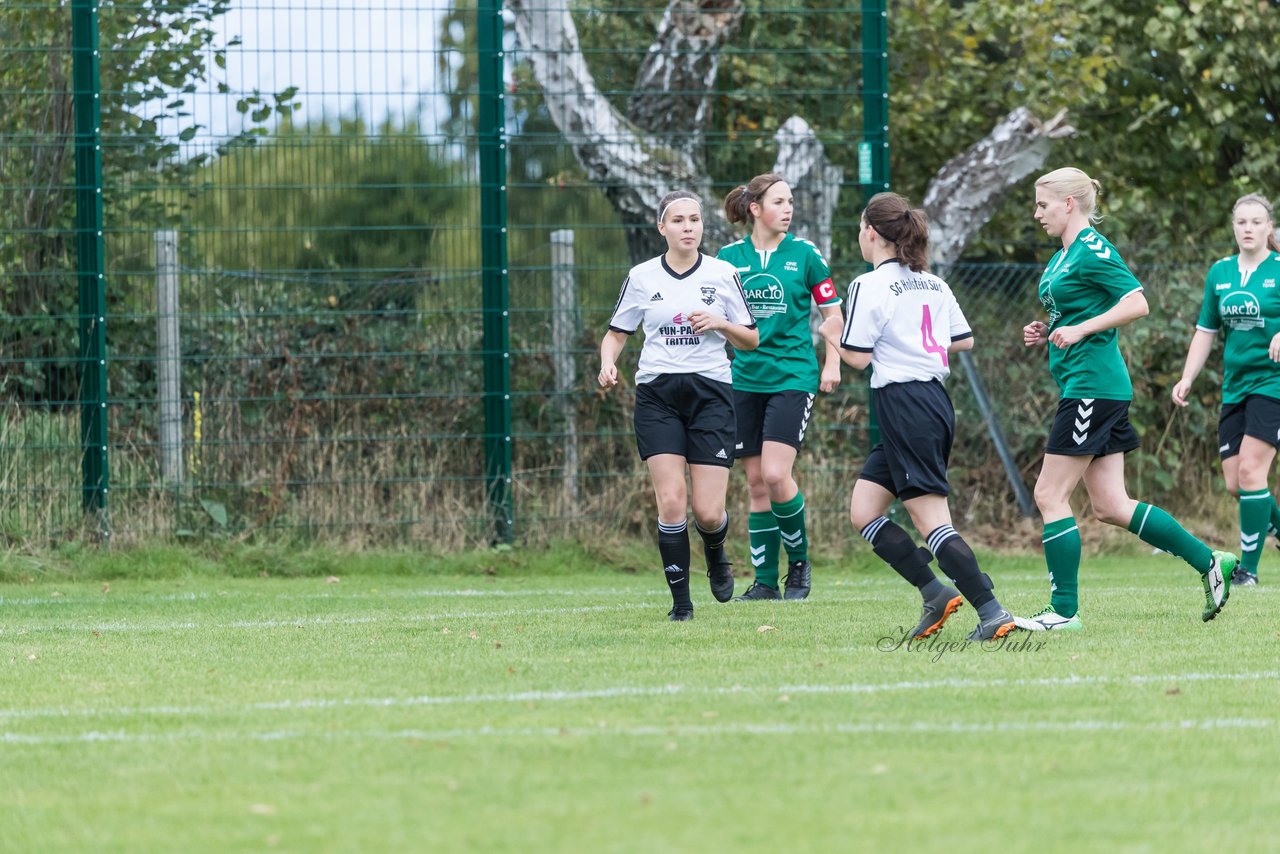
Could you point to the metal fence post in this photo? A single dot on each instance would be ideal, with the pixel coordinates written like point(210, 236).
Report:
point(494, 285)
point(564, 333)
point(873, 152)
point(875, 96)
point(168, 358)
point(91, 258)
point(1026, 505)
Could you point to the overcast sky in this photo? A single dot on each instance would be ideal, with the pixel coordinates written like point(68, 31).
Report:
point(378, 56)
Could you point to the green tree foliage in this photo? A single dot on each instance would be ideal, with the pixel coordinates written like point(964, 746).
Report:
point(1176, 105)
point(1175, 101)
point(153, 54)
point(1186, 121)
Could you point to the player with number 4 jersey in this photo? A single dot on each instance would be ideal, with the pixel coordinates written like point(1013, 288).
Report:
point(905, 323)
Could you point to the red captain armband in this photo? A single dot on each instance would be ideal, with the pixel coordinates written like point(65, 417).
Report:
point(824, 291)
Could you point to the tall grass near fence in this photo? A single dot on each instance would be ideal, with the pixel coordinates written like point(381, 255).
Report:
point(317, 425)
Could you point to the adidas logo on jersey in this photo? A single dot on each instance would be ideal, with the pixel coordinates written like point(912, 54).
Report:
point(656, 297)
point(721, 455)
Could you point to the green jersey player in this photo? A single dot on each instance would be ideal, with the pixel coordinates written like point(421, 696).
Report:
point(1242, 299)
point(774, 385)
point(1089, 293)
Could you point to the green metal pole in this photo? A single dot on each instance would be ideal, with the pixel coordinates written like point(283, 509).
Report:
point(91, 256)
point(873, 151)
point(494, 283)
point(875, 96)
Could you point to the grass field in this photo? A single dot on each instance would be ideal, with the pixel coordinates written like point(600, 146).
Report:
point(519, 710)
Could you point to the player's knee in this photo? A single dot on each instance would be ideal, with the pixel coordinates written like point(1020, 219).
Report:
point(708, 514)
point(778, 481)
point(1251, 477)
point(672, 505)
point(759, 493)
point(1113, 512)
point(860, 517)
point(1049, 498)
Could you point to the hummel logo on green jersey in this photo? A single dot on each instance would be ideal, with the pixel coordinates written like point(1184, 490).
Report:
point(1097, 245)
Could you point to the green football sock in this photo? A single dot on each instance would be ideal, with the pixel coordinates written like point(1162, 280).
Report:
point(790, 516)
point(1062, 555)
point(1274, 527)
point(1255, 514)
point(1158, 528)
point(762, 529)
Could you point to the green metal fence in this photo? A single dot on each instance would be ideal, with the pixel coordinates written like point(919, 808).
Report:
point(322, 271)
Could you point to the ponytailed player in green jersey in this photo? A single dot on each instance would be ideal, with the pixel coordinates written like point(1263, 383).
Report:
point(1089, 293)
point(1242, 299)
point(774, 385)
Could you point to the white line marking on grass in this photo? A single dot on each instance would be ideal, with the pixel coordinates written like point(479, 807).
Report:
point(380, 617)
point(1042, 682)
point(317, 621)
point(96, 599)
point(829, 729)
point(560, 696)
point(823, 596)
point(702, 731)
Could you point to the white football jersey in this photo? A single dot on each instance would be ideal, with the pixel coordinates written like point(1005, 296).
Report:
point(660, 300)
point(906, 321)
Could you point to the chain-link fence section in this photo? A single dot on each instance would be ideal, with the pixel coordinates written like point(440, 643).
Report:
point(294, 217)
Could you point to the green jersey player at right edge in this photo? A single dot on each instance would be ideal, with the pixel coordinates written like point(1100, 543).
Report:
point(774, 385)
point(1242, 299)
point(1089, 293)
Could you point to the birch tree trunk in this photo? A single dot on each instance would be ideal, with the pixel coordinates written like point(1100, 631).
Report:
point(635, 167)
point(814, 179)
point(637, 158)
point(968, 188)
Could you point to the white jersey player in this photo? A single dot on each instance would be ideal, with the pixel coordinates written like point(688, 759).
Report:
point(897, 314)
point(689, 305)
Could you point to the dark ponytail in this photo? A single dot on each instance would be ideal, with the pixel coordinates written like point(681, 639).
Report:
point(893, 218)
point(737, 205)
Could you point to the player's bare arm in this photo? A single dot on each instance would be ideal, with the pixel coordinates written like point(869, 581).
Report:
point(741, 337)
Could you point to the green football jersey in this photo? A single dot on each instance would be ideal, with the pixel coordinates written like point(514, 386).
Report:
point(780, 285)
point(1081, 282)
point(1247, 310)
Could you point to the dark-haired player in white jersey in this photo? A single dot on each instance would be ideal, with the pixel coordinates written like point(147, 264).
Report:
point(1088, 293)
point(690, 305)
point(1242, 298)
point(905, 323)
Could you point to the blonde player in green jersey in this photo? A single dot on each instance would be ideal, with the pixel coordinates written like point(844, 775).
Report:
point(774, 385)
point(1089, 293)
point(1242, 298)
